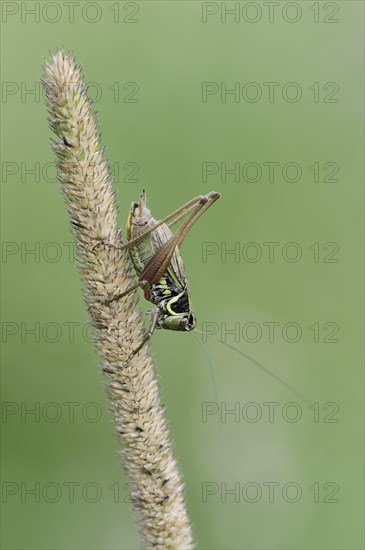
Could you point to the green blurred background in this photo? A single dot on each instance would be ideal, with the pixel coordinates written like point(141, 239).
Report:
point(160, 129)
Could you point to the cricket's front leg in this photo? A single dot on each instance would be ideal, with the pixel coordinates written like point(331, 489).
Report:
point(155, 316)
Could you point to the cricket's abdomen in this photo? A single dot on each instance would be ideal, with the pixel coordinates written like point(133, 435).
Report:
point(172, 298)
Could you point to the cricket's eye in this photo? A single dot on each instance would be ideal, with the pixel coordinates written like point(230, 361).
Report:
point(188, 322)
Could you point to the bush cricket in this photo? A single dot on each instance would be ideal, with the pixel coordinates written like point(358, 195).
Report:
point(155, 255)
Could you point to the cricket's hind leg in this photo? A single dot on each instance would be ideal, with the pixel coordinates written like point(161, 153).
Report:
point(192, 207)
point(141, 284)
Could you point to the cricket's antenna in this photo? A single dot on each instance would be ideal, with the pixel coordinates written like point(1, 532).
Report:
point(262, 367)
point(211, 373)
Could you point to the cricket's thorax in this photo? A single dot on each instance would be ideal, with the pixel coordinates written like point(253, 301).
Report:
point(142, 251)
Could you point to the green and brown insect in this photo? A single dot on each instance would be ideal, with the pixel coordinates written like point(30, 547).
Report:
point(154, 251)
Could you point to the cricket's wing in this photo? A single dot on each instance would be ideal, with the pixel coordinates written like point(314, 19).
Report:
point(176, 268)
point(169, 253)
point(167, 258)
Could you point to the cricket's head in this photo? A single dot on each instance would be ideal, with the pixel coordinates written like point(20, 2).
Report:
point(181, 321)
point(139, 214)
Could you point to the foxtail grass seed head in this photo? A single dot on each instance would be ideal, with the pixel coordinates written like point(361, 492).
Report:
point(139, 415)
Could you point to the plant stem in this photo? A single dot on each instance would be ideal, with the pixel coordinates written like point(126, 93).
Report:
point(138, 412)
